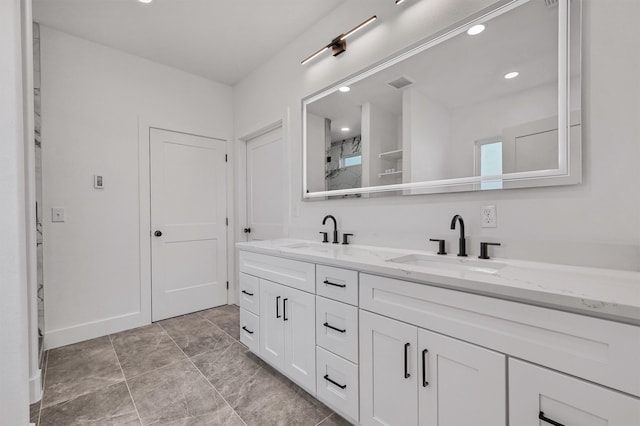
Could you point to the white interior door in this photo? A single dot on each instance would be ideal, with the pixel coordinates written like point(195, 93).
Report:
point(266, 186)
point(188, 220)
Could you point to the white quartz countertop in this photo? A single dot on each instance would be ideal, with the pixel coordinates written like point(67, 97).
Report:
point(603, 293)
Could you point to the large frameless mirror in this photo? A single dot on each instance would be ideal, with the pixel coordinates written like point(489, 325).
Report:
point(491, 103)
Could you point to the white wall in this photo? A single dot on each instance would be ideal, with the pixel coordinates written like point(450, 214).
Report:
point(379, 134)
point(426, 126)
point(93, 101)
point(316, 152)
point(595, 223)
point(14, 394)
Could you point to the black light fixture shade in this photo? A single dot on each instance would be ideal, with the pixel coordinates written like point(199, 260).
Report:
point(338, 45)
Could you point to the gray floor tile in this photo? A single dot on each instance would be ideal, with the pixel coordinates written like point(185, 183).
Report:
point(229, 370)
point(34, 412)
point(226, 317)
point(109, 406)
point(335, 420)
point(79, 369)
point(144, 349)
point(178, 394)
point(268, 398)
point(195, 335)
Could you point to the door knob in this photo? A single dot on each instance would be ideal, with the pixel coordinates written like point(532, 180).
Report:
point(247, 230)
point(158, 233)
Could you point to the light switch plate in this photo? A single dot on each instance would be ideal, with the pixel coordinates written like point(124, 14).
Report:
point(489, 219)
point(57, 214)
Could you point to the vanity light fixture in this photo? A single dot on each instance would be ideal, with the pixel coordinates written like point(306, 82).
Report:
point(476, 29)
point(512, 74)
point(339, 44)
point(344, 89)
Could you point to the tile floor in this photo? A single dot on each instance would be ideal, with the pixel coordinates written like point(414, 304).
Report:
point(189, 370)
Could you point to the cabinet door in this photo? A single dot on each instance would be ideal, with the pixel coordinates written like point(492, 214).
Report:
point(566, 400)
point(460, 383)
point(271, 323)
point(388, 372)
point(298, 317)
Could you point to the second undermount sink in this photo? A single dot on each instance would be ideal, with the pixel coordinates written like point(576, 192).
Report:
point(461, 264)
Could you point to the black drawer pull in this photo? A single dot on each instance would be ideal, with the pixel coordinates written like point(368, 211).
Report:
point(548, 420)
point(247, 293)
point(425, 382)
point(284, 309)
point(247, 330)
point(278, 307)
point(327, 282)
point(326, 324)
point(406, 360)
point(326, 377)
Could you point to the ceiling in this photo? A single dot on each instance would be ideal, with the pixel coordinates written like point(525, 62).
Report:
point(220, 40)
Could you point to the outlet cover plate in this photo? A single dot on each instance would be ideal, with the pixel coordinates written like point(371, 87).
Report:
point(489, 218)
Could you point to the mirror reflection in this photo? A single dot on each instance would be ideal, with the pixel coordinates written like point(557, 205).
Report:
point(483, 103)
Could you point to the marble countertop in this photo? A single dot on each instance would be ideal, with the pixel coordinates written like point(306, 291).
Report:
point(602, 293)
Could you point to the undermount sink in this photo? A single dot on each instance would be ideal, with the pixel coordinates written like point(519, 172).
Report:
point(308, 246)
point(460, 264)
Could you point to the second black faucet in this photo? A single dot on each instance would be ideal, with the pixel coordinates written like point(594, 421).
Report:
point(462, 249)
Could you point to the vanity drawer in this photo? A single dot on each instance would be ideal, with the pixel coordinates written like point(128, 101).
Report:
point(337, 284)
point(292, 273)
point(598, 350)
point(337, 328)
point(337, 384)
point(250, 293)
point(250, 330)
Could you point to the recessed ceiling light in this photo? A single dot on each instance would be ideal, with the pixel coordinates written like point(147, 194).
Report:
point(476, 29)
point(344, 89)
point(512, 74)
point(145, 1)
point(345, 129)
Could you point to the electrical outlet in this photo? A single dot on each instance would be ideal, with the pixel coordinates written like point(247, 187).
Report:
point(489, 219)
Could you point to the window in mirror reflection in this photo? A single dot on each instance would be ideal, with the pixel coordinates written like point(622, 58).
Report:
point(489, 155)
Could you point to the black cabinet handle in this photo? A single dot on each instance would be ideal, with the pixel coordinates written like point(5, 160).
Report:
point(326, 377)
point(158, 233)
point(425, 382)
point(548, 420)
point(284, 309)
point(278, 307)
point(327, 282)
point(406, 360)
point(326, 324)
point(247, 330)
point(247, 293)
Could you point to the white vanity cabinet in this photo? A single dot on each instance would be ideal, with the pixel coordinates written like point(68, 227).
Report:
point(539, 397)
point(380, 350)
point(412, 376)
point(337, 340)
point(278, 295)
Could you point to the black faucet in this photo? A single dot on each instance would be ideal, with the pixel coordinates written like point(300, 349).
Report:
point(335, 227)
point(462, 250)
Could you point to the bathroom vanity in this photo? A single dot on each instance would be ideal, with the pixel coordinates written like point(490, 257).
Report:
point(404, 337)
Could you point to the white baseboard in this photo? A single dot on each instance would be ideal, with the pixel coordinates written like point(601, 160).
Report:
point(35, 387)
point(90, 330)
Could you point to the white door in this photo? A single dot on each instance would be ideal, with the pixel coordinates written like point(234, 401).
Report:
point(300, 337)
point(460, 383)
point(539, 397)
point(388, 372)
point(272, 323)
point(188, 219)
point(267, 186)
